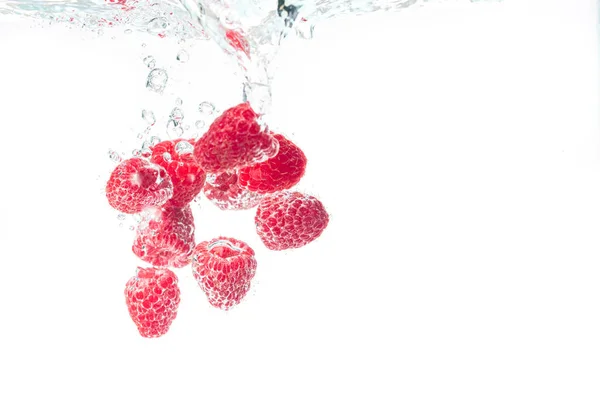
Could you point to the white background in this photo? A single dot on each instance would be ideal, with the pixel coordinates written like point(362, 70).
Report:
point(456, 148)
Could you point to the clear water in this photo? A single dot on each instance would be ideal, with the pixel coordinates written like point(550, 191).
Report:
point(250, 30)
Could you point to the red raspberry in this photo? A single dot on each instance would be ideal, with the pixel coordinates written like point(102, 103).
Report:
point(224, 267)
point(288, 220)
point(136, 184)
point(224, 191)
point(277, 173)
point(152, 297)
point(177, 158)
point(166, 238)
point(234, 140)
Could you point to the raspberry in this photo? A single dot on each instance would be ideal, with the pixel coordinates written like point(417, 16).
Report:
point(234, 140)
point(186, 174)
point(224, 191)
point(152, 297)
point(136, 184)
point(166, 239)
point(224, 267)
point(277, 173)
point(287, 220)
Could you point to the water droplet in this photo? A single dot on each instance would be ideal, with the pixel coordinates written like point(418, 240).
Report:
point(179, 102)
point(184, 147)
point(176, 115)
point(150, 62)
point(183, 56)
point(128, 31)
point(167, 157)
point(114, 156)
point(200, 124)
point(149, 117)
point(157, 25)
point(121, 217)
point(157, 80)
point(206, 108)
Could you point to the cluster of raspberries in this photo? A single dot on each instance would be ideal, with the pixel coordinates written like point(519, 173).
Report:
point(237, 165)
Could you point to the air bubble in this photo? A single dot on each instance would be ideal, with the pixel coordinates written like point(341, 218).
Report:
point(179, 102)
point(176, 116)
point(167, 157)
point(128, 31)
point(184, 147)
point(154, 140)
point(140, 135)
point(136, 153)
point(121, 217)
point(149, 117)
point(183, 56)
point(150, 62)
point(114, 156)
point(157, 80)
point(206, 108)
point(200, 124)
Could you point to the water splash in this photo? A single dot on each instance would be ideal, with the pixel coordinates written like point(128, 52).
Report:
point(250, 31)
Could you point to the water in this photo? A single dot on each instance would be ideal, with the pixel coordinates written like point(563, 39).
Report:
point(249, 30)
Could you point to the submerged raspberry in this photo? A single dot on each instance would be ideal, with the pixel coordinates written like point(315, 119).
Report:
point(234, 140)
point(166, 239)
point(152, 298)
point(224, 268)
point(177, 157)
point(136, 184)
point(280, 172)
point(224, 191)
point(289, 220)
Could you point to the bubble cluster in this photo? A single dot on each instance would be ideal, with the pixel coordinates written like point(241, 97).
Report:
point(114, 156)
point(157, 80)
